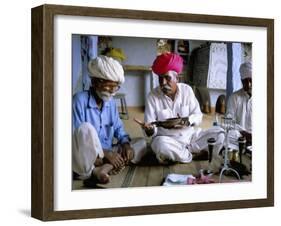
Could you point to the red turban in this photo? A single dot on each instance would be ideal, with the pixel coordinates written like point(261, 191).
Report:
point(167, 62)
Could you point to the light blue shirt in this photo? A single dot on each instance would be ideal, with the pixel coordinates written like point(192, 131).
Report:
point(106, 120)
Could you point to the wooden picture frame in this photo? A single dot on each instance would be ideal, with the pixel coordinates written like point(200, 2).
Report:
point(42, 203)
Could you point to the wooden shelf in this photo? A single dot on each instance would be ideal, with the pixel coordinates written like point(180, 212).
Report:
point(136, 68)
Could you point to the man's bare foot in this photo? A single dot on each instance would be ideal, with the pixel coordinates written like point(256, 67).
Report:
point(102, 173)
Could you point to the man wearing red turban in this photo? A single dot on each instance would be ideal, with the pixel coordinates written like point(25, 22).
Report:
point(167, 62)
point(172, 99)
point(168, 66)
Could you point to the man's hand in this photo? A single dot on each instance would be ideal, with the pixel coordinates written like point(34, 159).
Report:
point(114, 159)
point(147, 127)
point(127, 152)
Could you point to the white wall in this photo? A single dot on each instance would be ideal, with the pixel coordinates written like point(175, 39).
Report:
point(15, 113)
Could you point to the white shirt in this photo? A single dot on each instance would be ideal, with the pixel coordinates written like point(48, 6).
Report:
point(239, 107)
point(160, 107)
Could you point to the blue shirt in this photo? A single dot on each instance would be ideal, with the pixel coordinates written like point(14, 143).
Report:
point(106, 120)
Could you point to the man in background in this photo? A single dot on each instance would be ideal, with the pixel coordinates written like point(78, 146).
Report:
point(239, 106)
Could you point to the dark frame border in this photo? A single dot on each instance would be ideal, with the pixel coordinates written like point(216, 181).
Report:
point(42, 197)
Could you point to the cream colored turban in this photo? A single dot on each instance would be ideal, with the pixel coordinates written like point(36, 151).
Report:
point(246, 70)
point(106, 68)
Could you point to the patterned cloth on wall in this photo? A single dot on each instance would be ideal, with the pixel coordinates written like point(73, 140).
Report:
point(237, 60)
point(217, 72)
point(76, 64)
point(89, 50)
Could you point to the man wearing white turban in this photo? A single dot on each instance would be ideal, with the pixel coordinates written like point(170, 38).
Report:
point(106, 68)
point(96, 122)
point(239, 107)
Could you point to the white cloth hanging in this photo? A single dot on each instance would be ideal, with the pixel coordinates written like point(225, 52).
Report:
point(217, 72)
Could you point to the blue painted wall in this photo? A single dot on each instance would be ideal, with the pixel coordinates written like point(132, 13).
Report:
point(139, 51)
point(76, 64)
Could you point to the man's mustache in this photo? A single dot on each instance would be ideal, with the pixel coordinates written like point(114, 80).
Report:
point(166, 88)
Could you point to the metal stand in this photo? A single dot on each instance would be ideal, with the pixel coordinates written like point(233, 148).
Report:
point(227, 124)
point(242, 147)
point(211, 143)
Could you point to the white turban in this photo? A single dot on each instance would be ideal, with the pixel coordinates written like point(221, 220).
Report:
point(106, 68)
point(246, 70)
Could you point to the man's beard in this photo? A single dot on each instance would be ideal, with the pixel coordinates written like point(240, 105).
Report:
point(105, 96)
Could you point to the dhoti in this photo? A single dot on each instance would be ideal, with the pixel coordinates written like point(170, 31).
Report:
point(176, 149)
point(86, 148)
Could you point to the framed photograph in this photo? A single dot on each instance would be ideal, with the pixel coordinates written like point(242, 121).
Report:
point(215, 53)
